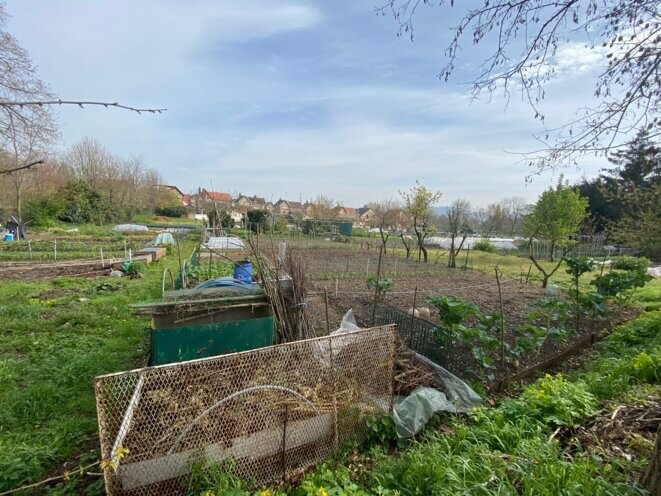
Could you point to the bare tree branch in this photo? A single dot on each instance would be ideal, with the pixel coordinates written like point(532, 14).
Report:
point(22, 167)
point(81, 104)
point(525, 39)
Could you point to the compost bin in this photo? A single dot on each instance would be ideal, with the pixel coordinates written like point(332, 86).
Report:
point(204, 322)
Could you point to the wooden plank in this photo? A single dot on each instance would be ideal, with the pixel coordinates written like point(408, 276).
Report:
point(253, 447)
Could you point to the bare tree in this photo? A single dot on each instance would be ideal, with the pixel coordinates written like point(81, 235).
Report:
point(515, 208)
point(495, 220)
point(458, 218)
point(386, 216)
point(524, 39)
point(323, 208)
point(26, 100)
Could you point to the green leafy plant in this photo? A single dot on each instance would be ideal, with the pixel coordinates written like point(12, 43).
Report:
point(648, 367)
point(382, 284)
point(133, 269)
point(380, 429)
point(545, 321)
point(554, 401)
point(452, 312)
point(484, 245)
point(483, 341)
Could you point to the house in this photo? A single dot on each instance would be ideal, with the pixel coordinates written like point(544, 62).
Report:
point(366, 215)
point(215, 196)
point(345, 213)
point(308, 210)
point(286, 207)
point(252, 202)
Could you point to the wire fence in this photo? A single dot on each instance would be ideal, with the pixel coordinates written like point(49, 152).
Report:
point(417, 334)
point(259, 414)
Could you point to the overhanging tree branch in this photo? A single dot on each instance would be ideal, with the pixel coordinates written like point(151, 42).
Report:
point(22, 167)
point(80, 103)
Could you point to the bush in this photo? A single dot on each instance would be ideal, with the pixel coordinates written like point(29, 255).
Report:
point(553, 401)
point(171, 211)
point(484, 245)
point(635, 264)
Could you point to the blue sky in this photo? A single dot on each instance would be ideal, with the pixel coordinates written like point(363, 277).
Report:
point(291, 98)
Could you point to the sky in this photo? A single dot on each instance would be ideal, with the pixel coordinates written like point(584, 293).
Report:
point(293, 98)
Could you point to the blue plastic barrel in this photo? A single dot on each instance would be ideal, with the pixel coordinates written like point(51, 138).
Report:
point(243, 271)
point(9, 237)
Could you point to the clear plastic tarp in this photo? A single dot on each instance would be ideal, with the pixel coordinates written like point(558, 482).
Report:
point(130, 228)
point(225, 243)
point(411, 413)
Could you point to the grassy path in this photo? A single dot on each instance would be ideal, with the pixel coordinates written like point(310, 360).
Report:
point(55, 337)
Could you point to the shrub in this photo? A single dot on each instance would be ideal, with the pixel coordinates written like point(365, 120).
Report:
point(484, 245)
point(636, 264)
point(553, 401)
point(171, 211)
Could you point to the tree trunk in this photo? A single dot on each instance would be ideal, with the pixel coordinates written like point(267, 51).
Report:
point(552, 254)
point(451, 262)
point(384, 239)
point(651, 478)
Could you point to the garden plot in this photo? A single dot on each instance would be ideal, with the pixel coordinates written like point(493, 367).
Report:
point(538, 324)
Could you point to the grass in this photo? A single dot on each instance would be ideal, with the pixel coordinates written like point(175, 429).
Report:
point(55, 338)
point(508, 449)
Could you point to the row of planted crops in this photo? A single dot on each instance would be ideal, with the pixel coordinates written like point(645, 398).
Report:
point(68, 249)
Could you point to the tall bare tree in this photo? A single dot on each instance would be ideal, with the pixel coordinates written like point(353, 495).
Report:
point(387, 214)
point(458, 218)
point(515, 208)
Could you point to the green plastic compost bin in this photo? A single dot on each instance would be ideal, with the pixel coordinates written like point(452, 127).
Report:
point(200, 323)
point(199, 341)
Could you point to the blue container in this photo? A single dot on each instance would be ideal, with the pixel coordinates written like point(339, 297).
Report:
point(243, 271)
point(9, 237)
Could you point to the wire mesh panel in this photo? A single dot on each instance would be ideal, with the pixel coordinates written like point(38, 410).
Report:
point(418, 334)
point(261, 413)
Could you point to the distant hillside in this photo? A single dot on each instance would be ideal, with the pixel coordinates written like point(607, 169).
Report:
point(441, 210)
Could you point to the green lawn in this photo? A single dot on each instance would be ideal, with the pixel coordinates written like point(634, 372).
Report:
point(55, 338)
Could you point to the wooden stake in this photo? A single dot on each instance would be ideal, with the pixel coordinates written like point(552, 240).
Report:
point(103, 262)
point(502, 319)
point(55, 249)
point(376, 287)
point(415, 297)
point(328, 329)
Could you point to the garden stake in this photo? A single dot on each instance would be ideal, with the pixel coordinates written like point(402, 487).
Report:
point(376, 288)
point(103, 263)
point(326, 305)
point(502, 319)
point(415, 297)
point(30, 248)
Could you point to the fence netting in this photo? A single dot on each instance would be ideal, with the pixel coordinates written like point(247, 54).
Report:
point(261, 414)
point(417, 334)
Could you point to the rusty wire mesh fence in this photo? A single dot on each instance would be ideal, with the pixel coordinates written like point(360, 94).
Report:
point(261, 414)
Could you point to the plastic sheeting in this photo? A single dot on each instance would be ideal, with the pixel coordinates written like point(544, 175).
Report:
point(130, 228)
point(411, 413)
point(225, 243)
point(163, 239)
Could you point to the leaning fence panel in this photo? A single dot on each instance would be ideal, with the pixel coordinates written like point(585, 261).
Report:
point(261, 413)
